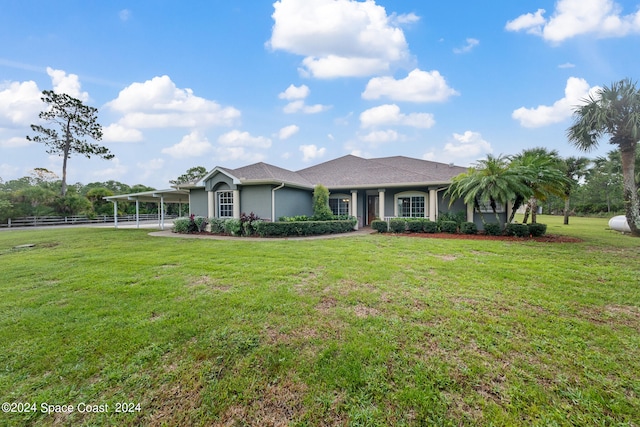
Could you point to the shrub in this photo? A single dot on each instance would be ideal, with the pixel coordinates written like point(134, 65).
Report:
point(448, 227)
point(430, 226)
point(193, 224)
point(294, 218)
point(248, 223)
point(303, 228)
point(217, 225)
point(492, 229)
point(321, 209)
point(397, 225)
point(233, 227)
point(537, 230)
point(199, 223)
point(468, 228)
point(457, 217)
point(415, 225)
point(518, 230)
point(181, 225)
point(380, 226)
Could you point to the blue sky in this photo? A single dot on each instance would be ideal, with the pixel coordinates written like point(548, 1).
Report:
point(297, 82)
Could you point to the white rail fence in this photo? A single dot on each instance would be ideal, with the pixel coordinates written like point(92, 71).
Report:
point(39, 221)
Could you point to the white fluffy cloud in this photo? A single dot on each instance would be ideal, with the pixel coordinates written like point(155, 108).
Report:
point(118, 133)
point(294, 92)
point(67, 83)
point(471, 43)
point(192, 145)
point(310, 152)
point(380, 137)
point(603, 18)
point(389, 114)
point(418, 86)
point(150, 167)
point(158, 103)
point(19, 103)
point(575, 92)
point(236, 138)
point(14, 142)
point(296, 95)
point(115, 171)
point(288, 131)
point(463, 149)
point(237, 154)
point(339, 38)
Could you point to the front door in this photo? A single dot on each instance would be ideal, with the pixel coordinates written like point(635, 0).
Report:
point(373, 208)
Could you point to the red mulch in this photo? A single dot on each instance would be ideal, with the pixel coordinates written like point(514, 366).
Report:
point(547, 238)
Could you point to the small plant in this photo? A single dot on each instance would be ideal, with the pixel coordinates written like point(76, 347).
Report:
point(233, 227)
point(248, 223)
point(516, 229)
point(193, 224)
point(294, 218)
point(492, 229)
point(397, 225)
point(430, 226)
point(468, 228)
point(450, 227)
point(537, 230)
point(380, 226)
point(415, 225)
point(457, 217)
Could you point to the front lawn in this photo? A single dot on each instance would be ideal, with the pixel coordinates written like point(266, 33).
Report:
point(362, 330)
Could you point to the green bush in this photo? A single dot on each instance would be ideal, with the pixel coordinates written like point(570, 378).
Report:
point(304, 228)
point(181, 225)
point(294, 218)
point(448, 226)
point(537, 230)
point(217, 225)
point(493, 229)
point(430, 226)
point(415, 225)
point(380, 226)
point(321, 209)
point(518, 230)
point(233, 227)
point(457, 217)
point(468, 228)
point(397, 225)
point(192, 224)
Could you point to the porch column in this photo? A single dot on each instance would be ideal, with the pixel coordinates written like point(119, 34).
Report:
point(469, 212)
point(381, 203)
point(137, 213)
point(236, 204)
point(161, 212)
point(354, 206)
point(115, 214)
point(210, 210)
point(433, 204)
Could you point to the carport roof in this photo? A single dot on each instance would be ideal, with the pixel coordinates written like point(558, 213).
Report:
point(171, 195)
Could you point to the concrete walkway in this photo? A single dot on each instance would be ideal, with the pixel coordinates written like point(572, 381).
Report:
point(168, 233)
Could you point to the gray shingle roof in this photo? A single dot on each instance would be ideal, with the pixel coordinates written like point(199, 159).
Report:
point(352, 171)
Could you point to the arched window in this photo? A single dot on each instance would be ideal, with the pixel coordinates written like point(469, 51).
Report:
point(411, 204)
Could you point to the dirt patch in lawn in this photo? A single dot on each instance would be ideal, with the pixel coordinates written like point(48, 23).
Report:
point(547, 238)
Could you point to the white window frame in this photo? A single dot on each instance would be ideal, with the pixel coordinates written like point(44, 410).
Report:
point(411, 195)
point(224, 203)
point(485, 206)
point(343, 199)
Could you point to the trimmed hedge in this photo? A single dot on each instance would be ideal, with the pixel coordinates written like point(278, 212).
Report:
point(518, 230)
point(492, 229)
point(450, 227)
point(537, 230)
point(468, 228)
point(415, 225)
point(303, 228)
point(430, 226)
point(397, 225)
point(380, 226)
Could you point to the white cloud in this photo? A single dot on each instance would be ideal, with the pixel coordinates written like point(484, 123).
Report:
point(118, 133)
point(389, 114)
point(339, 38)
point(310, 152)
point(228, 154)
point(158, 103)
point(566, 65)
point(236, 138)
point(115, 172)
point(464, 148)
point(295, 92)
point(301, 107)
point(20, 103)
point(418, 86)
point(148, 168)
point(124, 15)
point(8, 172)
point(288, 131)
point(67, 83)
point(192, 145)
point(380, 137)
point(571, 18)
point(471, 43)
point(15, 142)
point(575, 92)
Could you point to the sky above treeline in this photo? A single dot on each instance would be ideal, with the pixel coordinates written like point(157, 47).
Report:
point(297, 82)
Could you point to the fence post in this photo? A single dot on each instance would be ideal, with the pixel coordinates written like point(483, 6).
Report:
point(9, 222)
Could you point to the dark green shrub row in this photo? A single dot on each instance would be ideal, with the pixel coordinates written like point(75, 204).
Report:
point(468, 228)
point(304, 228)
point(379, 226)
point(493, 229)
point(537, 230)
point(450, 227)
point(518, 230)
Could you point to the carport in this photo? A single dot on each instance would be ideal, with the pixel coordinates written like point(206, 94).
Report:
point(161, 197)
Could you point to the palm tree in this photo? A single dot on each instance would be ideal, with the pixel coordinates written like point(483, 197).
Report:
point(575, 168)
point(613, 111)
point(541, 171)
point(489, 181)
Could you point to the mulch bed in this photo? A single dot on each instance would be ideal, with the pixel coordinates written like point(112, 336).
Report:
point(547, 238)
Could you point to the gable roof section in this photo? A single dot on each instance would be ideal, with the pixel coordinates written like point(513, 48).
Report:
point(264, 172)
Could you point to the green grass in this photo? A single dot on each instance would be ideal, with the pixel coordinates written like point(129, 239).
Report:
point(362, 331)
